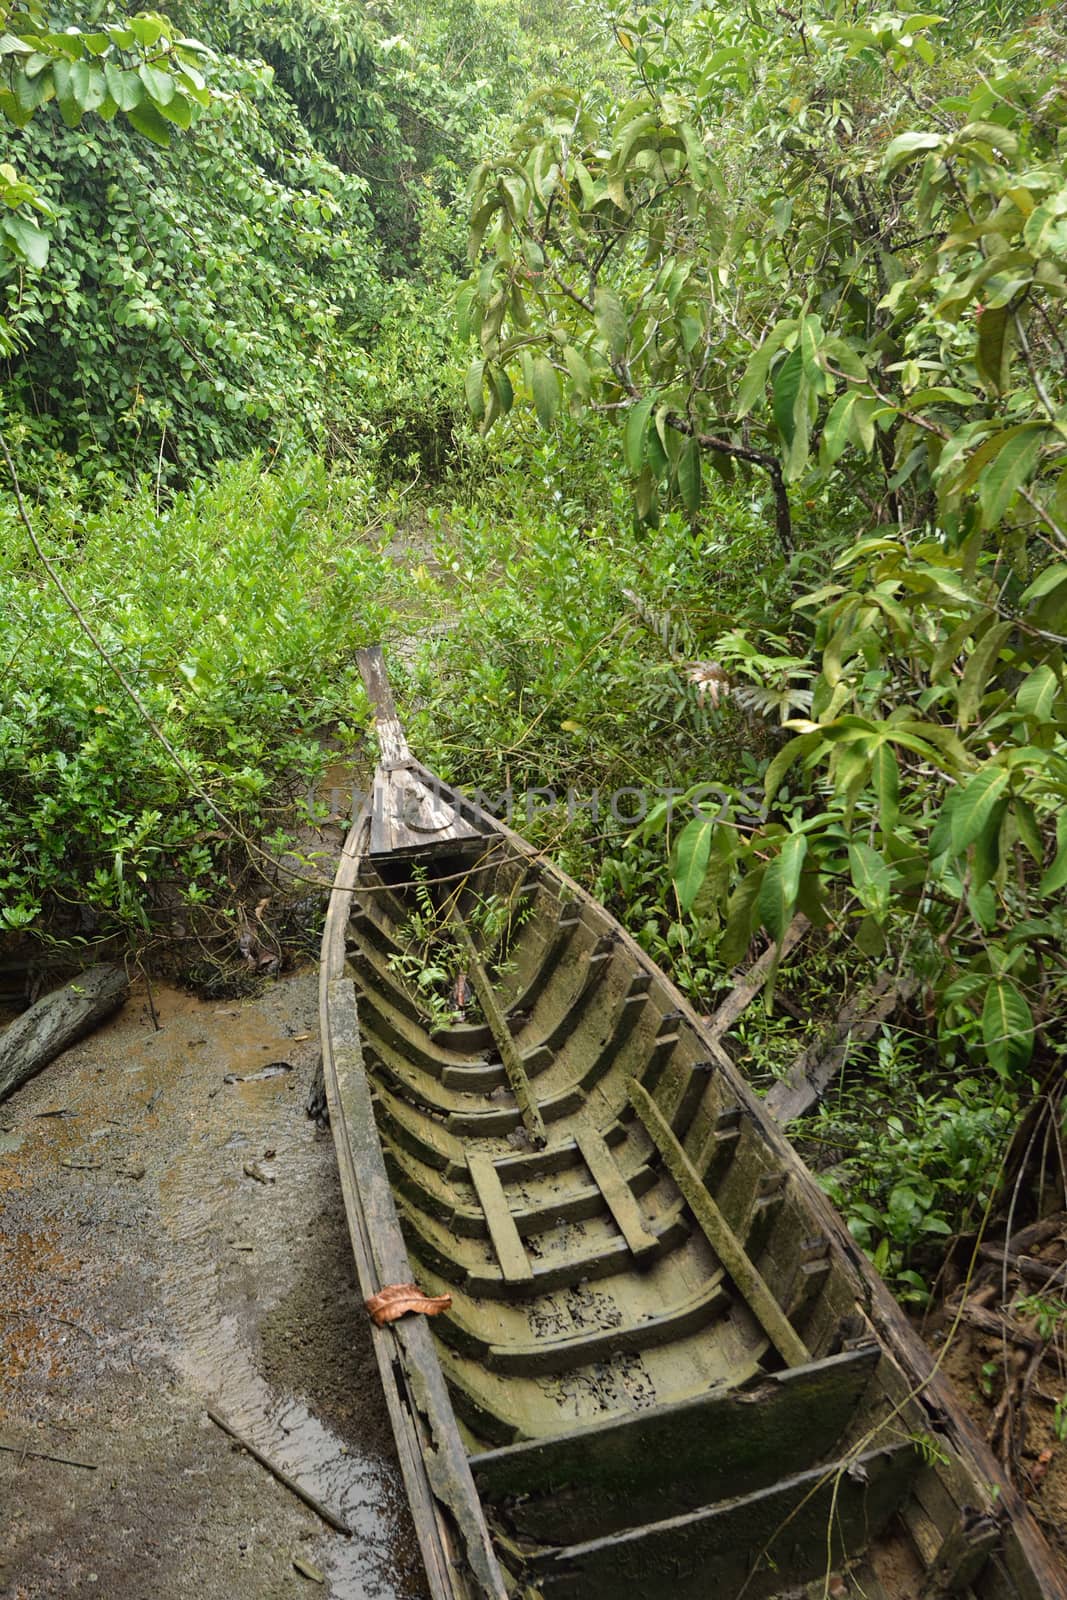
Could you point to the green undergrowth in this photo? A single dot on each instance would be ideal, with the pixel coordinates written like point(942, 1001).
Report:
point(540, 655)
point(233, 612)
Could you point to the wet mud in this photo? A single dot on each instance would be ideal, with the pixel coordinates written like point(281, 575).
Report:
point(172, 1238)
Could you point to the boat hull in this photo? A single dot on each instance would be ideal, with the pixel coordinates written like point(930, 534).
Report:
point(666, 1365)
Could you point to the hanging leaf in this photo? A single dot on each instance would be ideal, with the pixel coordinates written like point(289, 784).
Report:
point(778, 891)
point(611, 320)
point(1010, 468)
point(546, 391)
point(975, 805)
point(1054, 879)
point(691, 853)
point(1007, 1027)
point(741, 910)
point(578, 368)
point(633, 435)
point(473, 386)
point(993, 357)
point(976, 677)
point(871, 879)
point(788, 384)
point(1037, 693)
point(885, 776)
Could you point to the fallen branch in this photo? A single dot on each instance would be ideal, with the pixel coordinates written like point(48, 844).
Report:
point(812, 1073)
point(58, 1020)
point(1040, 1272)
point(282, 1476)
point(42, 1455)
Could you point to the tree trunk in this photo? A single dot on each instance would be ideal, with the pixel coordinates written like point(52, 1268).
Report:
point(57, 1020)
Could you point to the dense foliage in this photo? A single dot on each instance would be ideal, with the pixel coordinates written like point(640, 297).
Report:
point(857, 298)
point(739, 471)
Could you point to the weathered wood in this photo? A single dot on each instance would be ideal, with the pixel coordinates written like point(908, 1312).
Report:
point(432, 1452)
point(514, 1262)
point(518, 1082)
point(57, 1021)
point(742, 1546)
point(331, 1518)
point(962, 1555)
point(745, 990)
point(392, 745)
point(628, 1216)
point(671, 1461)
point(723, 1240)
point(813, 1072)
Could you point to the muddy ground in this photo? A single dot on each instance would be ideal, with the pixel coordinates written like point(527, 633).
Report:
point(146, 1272)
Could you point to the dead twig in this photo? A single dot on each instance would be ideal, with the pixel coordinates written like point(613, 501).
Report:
point(42, 1455)
point(328, 1516)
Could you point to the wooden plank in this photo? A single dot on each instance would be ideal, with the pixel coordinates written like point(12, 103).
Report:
point(748, 987)
point(607, 1175)
point(510, 1250)
point(812, 1073)
point(392, 744)
point(675, 1458)
point(723, 1240)
point(797, 1529)
point(432, 1456)
point(518, 1082)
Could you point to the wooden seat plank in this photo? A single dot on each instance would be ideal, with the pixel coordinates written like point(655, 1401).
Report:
point(510, 1250)
point(723, 1240)
point(608, 1177)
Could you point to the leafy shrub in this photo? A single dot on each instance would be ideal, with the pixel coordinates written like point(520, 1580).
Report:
point(235, 612)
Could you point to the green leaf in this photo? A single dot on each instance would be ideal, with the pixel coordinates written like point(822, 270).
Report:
point(611, 320)
point(906, 146)
point(633, 436)
point(778, 891)
point(740, 918)
point(578, 368)
point(1045, 582)
point(1055, 877)
point(88, 85)
point(835, 433)
point(29, 241)
point(1009, 470)
point(980, 665)
point(788, 384)
point(546, 390)
point(993, 358)
point(975, 805)
point(690, 859)
point(125, 88)
point(1037, 693)
point(159, 85)
point(1007, 1027)
point(1026, 823)
point(871, 879)
point(474, 390)
point(147, 120)
point(797, 747)
point(885, 775)
point(755, 378)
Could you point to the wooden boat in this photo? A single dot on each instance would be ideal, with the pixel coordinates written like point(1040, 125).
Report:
point(666, 1369)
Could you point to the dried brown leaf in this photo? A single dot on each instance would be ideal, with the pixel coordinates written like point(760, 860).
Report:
point(397, 1299)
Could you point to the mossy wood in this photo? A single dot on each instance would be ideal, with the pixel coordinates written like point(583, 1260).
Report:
point(667, 1370)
